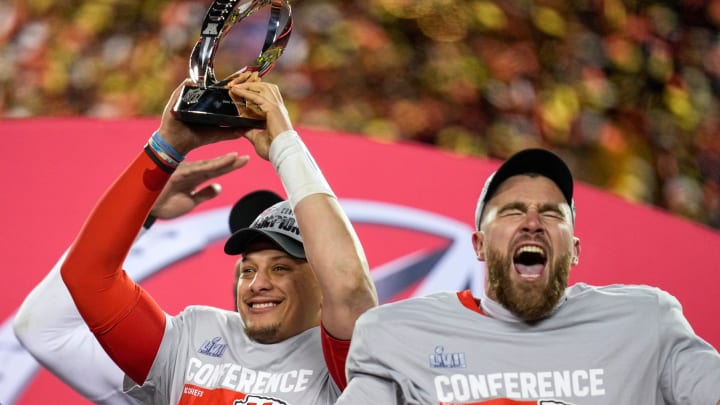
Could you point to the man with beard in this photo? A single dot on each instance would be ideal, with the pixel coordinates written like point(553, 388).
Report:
point(529, 338)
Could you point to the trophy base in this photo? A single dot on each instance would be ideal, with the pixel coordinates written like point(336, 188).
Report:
point(211, 106)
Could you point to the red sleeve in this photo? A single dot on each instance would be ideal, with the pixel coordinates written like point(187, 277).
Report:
point(335, 352)
point(127, 322)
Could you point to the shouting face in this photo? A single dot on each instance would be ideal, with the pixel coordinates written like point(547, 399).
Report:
point(526, 240)
point(277, 295)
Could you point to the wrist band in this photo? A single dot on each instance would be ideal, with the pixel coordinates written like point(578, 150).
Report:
point(162, 153)
point(299, 173)
point(167, 147)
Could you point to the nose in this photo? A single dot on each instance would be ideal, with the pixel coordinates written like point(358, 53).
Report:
point(261, 282)
point(533, 222)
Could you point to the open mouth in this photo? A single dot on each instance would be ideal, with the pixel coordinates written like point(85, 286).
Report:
point(529, 261)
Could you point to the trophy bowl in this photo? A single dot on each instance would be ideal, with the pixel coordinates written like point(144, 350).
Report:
point(205, 99)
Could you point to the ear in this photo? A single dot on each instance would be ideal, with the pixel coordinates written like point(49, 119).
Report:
point(576, 250)
point(478, 240)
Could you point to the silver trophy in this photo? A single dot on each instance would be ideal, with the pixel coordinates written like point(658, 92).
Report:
point(207, 100)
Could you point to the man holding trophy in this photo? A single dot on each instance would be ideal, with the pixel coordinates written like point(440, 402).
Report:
point(303, 276)
point(274, 350)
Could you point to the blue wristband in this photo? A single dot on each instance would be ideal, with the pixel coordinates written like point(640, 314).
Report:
point(166, 147)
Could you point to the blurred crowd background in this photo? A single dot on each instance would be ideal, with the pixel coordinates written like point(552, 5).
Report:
point(627, 91)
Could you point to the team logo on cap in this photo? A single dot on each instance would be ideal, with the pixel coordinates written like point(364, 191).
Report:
point(278, 218)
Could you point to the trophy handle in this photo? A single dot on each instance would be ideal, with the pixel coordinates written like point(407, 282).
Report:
point(207, 100)
point(221, 16)
point(280, 26)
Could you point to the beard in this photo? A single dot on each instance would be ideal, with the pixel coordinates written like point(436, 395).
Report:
point(263, 334)
point(528, 301)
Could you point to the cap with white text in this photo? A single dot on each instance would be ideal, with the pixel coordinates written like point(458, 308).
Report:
point(276, 224)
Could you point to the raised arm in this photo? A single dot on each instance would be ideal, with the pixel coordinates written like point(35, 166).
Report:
point(337, 258)
point(331, 244)
point(123, 317)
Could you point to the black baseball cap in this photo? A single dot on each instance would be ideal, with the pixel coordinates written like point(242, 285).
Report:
point(539, 161)
point(276, 224)
point(249, 206)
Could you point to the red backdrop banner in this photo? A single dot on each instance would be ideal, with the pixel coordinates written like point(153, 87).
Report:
point(413, 207)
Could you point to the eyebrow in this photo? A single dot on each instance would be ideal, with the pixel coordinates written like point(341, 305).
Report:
point(515, 205)
point(551, 207)
point(275, 258)
point(521, 206)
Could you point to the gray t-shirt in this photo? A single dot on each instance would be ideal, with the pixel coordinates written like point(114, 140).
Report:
point(206, 358)
point(603, 345)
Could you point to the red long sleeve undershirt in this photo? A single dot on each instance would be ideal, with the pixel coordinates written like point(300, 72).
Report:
point(127, 322)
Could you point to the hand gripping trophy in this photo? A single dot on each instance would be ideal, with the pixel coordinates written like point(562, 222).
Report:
point(206, 100)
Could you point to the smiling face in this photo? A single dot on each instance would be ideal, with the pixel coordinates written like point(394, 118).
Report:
point(277, 295)
point(526, 239)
